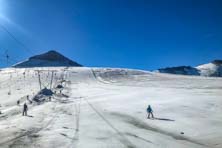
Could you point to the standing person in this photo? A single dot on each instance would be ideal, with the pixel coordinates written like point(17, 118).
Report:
point(149, 111)
point(25, 109)
point(18, 102)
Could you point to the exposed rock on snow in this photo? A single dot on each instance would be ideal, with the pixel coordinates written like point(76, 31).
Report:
point(212, 69)
point(59, 86)
point(183, 70)
point(49, 59)
point(46, 92)
point(41, 96)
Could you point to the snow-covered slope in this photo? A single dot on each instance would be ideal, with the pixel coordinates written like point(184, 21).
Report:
point(49, 59)
point(211, 69)
point(106, 108)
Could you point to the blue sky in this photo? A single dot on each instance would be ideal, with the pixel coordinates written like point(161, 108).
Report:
point(142, 34)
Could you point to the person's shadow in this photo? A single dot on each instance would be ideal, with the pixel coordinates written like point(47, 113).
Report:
point(30, 116)
point(163, 119)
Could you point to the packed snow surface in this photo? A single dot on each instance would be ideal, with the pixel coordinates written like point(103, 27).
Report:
point(106, 108)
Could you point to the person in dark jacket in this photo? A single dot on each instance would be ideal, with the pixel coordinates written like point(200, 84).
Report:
point(25, 109)
point(50, 98)
point(18, 102)
point(149, 112)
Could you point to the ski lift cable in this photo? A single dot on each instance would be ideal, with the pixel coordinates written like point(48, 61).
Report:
point(16, 40)
point(8, 59)
point(11, 61)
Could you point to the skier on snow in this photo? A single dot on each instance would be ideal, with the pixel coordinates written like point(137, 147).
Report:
point(25, 109)
point(149, 111)
point(18, 102)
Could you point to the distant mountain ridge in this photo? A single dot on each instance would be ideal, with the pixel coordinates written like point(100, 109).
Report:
point(49, 59)
point(212, 69)
point(183, 70)
point(54, 59)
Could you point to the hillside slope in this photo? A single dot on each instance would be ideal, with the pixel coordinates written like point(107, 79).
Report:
point(48, 59)
point(105, 107)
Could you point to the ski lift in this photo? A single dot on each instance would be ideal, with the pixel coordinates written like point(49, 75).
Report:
point(7, 57)
point(10, 78)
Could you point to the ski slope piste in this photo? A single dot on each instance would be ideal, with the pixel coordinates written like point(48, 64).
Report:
point(106, 108)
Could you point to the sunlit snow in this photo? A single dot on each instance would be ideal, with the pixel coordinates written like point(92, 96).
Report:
point(106, 108)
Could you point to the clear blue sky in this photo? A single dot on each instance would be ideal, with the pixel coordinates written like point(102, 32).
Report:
point(142, 34)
